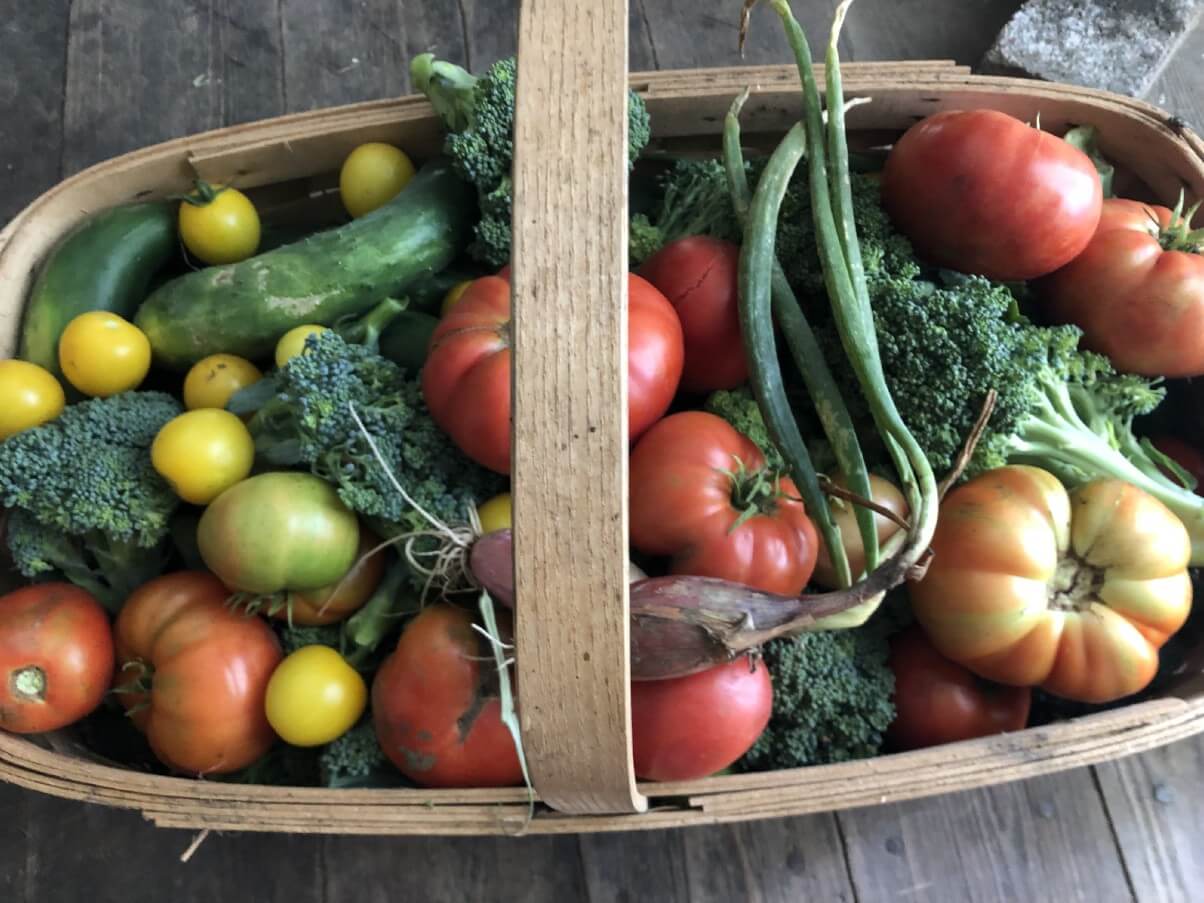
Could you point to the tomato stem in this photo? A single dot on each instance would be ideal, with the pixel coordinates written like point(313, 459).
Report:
point(202, 195)
point(29, 684)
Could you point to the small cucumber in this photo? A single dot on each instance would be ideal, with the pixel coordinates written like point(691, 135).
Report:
point(105, 263)
point(406, 339)
point(244, 308)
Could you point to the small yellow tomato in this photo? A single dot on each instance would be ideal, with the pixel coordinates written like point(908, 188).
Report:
point(496, 514)
point(211, 381)
point(102, 354)
point(372, 175)
point(454, 294)
point(203, 453)
point(314, 697)
point(292, 342)
point(219, 224)
point(29, 396)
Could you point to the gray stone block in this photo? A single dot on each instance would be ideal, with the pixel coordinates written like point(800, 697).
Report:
point(1112, 45)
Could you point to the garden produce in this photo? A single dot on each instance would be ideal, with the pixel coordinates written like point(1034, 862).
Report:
point(56, 657)
point(698, 277)
point(1073, 592)
point(436, 709)
point(478, 113)
point(244, 308)
point(406, 339)
point(694, 726)
point(192, 674)
point(496, 513)
point(85, 502)
point(700, 493)
point(219, 224)
point(101, 354)
point(213, 381)
point(983, 193)
point(454, 294)
point(105, 263)
point(883, 493)
point(1188, 459)
point(278, 532)
point(339, 599)
point(1137, 290)
point(29, 396)
point(314, 697)
point(694, 201)
point(372, 175)
point(203, 453)
point(293, 342)
point(356, 760)
point(938, 701)
point(466, 380)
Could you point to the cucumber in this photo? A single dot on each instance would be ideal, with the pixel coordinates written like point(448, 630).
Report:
point(406, 339)
point(244, 308)
point(105, 263)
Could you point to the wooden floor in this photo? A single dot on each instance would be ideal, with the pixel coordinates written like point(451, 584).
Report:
point(81, 81)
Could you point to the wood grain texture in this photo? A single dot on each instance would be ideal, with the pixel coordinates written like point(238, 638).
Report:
point(32, 62)
point(784, 860)
point(569, 439)
point(138, 74)
point(1044, 839)
point(1154, 802)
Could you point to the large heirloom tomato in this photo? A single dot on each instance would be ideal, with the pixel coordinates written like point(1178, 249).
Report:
point(56, 657)
point(466, 379)
point(436, 708)
point(1075, 593)
point(1137, 291)
point(700, 493)
point(193, 673)
point(982, 192)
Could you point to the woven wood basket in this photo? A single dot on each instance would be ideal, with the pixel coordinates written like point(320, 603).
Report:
point(570, 443)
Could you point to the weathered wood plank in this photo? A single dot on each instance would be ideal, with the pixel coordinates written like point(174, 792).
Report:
point(32, 37)
point(781, 860)
point(1178, 89)
point(378, 870)
point(138, 74)
point(1044, 839)
point(1154, 802)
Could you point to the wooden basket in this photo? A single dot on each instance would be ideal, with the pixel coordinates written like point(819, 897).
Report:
point(570, 448)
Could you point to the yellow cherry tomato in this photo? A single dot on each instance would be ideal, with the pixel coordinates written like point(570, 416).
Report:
point(219, 224)
point(102, 354)
point(211, 381)
point(314, 697)
point(454, 294)
point(29, 396)
point(203, 453)
point(496, 514)
point(372, 175)
point(292, 342)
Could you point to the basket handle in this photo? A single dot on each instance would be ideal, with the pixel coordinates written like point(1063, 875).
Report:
point(569, 451)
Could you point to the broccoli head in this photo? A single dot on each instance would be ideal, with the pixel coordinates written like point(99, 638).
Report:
point(739, 408)
point(478, 112)
point(356, 760)
point(694, 200)
point(86, 502)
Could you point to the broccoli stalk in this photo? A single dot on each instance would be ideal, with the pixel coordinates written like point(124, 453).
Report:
point(366, 330)
point(479, 115)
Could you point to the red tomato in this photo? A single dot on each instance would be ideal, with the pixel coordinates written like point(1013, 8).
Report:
point(981, 192)
point(466, 379)
point(691, 727)
point(699, 277)
point(207, 667)
point(1186, 456)
point(1136, 302)
point(435, 707)
point(693, 477)
point(942, 702)
point(56, 657)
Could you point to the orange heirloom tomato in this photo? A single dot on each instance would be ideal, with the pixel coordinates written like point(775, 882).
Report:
point(341, 599)
point(1074, 593)
point(207, 668)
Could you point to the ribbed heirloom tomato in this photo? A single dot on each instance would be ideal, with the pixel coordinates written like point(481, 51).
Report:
point(1137, 291)
point(193, 673)
point(701, 494)
point(466, 379)
point(340, 599)
point(1032, 586)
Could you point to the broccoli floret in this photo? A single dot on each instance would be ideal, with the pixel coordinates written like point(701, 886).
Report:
point(478, 113)
point(694, 200)
point(831, 698)
point(739, 408)
point(303, 416)
point(297, 636)
point(86, 501)
point(356, 760)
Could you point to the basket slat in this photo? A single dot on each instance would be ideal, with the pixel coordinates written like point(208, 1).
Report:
point(569, 370)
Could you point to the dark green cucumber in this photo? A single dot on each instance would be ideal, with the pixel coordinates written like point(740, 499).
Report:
point(245, 307)
point(406, 339)
point(105, 263)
